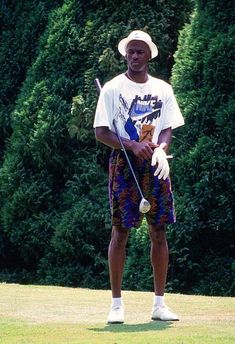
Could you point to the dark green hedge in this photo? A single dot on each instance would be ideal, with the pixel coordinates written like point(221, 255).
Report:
point(54, 216)
point(22, 24)
point(202, 240)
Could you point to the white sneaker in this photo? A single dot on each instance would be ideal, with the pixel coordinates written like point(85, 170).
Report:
point(116, 315)
point(163, 313)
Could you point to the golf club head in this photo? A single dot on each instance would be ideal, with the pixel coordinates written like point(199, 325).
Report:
point(144, 206)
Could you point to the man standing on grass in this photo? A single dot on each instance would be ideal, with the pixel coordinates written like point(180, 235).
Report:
point(145, 112)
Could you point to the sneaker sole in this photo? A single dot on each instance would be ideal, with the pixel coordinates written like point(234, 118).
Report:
point(165, 319)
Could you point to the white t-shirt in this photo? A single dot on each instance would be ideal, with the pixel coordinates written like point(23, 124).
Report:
point(141, 110)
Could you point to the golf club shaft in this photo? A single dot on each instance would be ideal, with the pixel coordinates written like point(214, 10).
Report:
point(98, 87)
point(127, 158)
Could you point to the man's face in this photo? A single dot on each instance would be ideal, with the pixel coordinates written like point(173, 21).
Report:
point(137, 55)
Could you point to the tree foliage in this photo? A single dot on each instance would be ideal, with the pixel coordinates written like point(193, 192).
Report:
point(203, 78)
point(54, 216)
point(22, 24)
point(202, 241)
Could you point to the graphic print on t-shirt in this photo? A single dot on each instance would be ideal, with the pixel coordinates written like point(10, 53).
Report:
point(142, 112)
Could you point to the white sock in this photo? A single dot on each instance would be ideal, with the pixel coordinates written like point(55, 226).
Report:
point(117, 301)
point(158, 301)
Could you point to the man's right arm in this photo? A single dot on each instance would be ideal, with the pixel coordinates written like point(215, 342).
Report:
point(143, 150)
point(109, 138)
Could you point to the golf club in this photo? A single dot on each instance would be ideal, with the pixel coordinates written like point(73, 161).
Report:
point(144, 205)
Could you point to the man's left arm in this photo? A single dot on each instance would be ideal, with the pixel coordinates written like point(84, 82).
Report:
point(164, 139)
point(159, 156)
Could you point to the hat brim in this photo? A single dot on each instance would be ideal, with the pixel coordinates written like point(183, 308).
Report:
point(125, 41)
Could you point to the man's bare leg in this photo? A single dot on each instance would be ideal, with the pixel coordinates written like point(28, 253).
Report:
point(116, 257)
point(159, 259)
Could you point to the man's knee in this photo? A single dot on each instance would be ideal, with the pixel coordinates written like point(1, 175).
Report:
point(157, 234)
point(119, 235)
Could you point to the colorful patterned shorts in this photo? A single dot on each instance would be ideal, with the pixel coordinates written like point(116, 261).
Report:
point(124, 196)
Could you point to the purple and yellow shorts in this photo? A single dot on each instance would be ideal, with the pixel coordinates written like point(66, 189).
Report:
point(124, 196)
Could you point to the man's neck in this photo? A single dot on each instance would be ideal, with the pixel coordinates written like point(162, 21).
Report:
point(139, 77)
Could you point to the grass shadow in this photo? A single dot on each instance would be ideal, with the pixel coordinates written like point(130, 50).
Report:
point(151, 326)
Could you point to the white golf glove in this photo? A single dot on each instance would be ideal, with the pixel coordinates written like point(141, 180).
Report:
point(159, 156)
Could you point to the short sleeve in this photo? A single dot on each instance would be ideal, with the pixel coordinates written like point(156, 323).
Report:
point(104, 109)
point(172, 115)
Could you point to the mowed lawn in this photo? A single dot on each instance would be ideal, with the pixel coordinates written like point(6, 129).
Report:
point(45, 314)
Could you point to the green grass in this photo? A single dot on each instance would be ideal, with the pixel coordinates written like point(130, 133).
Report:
point(42, 314)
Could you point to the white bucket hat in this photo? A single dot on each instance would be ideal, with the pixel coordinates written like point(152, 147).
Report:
point(138, 35)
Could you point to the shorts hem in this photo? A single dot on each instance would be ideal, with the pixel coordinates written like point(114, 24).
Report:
point(138, 224)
